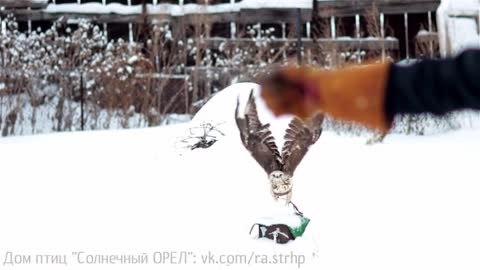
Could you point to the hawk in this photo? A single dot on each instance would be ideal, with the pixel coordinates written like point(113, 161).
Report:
point(259, 141)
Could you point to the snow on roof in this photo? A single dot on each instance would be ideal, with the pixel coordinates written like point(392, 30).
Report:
point(306, 4)
point(464, 4)
point(116, 8)
point(93, 8)
point(175, 10)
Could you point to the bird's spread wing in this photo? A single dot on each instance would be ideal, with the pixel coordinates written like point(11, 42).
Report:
point(299, 136)
point(257, 138)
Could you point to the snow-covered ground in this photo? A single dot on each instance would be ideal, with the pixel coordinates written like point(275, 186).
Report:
point(45, 118)
point(409, 203)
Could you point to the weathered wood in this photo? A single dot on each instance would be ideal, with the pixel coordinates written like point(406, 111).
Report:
point(244, 16)
point(23, 4)
point(426, 37)
point(340, 43)
point(352, 7)
point(273, 15)
point(463, 13)
point(209, 18)
point(39, 15)
point(120, 13)
point(252, 15)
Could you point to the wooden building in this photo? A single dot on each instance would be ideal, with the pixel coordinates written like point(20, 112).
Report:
point(401, 20)
point(398, 29)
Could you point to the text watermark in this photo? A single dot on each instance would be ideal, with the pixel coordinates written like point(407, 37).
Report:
point(11, 258)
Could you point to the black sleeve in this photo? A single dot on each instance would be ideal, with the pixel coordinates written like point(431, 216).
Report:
point(435, 86)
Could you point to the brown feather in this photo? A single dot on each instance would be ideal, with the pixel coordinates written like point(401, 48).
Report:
point(257, 138)
point(299, 136)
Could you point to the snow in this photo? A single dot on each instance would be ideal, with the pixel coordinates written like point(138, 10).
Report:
point(44, 118)
point(304, 4)
point(464, 33)
point(458, 26)
point(116, 8)
point(228, 100)
point(94, 8)
point(132, 60)
point(462, 4)
point(423, 32)
point(174, 10)
point(409, 203)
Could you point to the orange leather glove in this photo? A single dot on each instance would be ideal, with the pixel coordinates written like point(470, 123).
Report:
point(355, 93)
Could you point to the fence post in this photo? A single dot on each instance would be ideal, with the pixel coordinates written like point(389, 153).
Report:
point(82, 102)
point(299, 36)
point(407, 49)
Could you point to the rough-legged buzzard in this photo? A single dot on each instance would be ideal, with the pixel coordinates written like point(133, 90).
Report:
point(259, 141)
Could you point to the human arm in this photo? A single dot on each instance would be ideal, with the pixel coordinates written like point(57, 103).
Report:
point(373, 94)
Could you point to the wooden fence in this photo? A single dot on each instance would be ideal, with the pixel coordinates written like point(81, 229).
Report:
point(384, 27)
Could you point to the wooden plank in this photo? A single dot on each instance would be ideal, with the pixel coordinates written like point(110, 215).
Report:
point(466, 13)
point(370, 2)
point(211, 18)
point(38, 15)
point(273, 15)
point(23, 4)
point(431, 36)
point(341, 43)
point(352, 7)
point(245, 16)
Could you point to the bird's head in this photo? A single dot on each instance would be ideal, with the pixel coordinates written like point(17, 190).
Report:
point(278, 177)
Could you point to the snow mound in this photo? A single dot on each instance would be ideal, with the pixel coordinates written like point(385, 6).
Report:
point(409, 203)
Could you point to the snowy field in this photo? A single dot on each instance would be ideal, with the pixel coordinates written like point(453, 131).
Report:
point(409, 203)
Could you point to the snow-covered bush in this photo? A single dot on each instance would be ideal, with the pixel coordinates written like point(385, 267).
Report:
point(47, 76)
point(422, 124)
point(203, 135)
point(69, 78)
